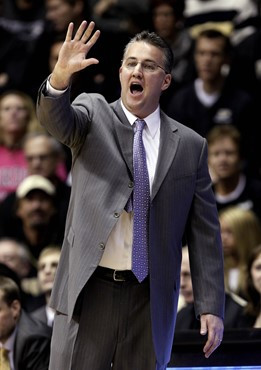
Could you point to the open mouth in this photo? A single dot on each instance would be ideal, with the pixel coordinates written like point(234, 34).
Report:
point(136, 88)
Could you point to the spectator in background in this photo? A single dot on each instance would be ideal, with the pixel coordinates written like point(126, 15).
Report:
point(235, 18)
point(16, 256)
point(167, 22)
point(119, 20)
point(35, 207)
point(61, 12)
point(21, 27)
point(240, 232)
point(125, 17)
point(17, 117)
point(186, 318)
point(211, 100)
point(252, 314)
point(231, 184)
point(58, 14)
point(25, 342)
point(43, 156)
point(47, 265)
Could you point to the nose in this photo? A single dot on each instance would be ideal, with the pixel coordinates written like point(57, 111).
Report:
point(137, 71)
point(47, 270)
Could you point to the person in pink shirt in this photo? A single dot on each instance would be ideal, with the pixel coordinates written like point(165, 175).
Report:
point(17, 117)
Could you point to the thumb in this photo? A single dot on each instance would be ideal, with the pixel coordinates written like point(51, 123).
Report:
point(203, 325)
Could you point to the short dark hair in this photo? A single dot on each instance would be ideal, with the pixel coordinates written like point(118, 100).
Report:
point(9, 289)
point(152, 38)
point(223, 131)
point(216, 34)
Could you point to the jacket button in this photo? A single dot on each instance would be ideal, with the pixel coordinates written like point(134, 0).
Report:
point(102, 246)
point(116, 215)
point(131, 184)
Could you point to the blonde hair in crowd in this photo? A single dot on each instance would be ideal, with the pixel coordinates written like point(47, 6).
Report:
point(246, 229)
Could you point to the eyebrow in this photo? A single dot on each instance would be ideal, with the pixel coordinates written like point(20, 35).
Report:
point(145, 60)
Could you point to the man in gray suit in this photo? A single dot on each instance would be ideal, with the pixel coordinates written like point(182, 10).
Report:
point(105, 316)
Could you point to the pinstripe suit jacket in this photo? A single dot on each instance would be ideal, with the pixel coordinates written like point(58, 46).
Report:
point(101, 138)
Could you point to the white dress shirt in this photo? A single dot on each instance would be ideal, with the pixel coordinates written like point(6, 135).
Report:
point(9, 345)
point(50, 315)
point(118, 250)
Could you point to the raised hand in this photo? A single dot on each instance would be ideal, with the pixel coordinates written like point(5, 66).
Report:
point(73, 54)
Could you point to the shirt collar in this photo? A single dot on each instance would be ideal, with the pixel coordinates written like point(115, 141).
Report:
point(9, 344)
point(152, 120)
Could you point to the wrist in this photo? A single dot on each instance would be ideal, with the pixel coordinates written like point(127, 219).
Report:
point(59, 81)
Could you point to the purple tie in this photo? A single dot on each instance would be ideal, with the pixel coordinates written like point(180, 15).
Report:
point(141, 201)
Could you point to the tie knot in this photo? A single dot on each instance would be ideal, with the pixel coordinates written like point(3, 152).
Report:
point(139, 124)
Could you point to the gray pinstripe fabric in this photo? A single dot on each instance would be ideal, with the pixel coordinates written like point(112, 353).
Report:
point(182, 201)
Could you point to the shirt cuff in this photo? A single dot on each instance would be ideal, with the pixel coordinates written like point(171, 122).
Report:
point(51, 90)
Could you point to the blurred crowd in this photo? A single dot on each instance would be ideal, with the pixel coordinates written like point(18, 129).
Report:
point(215, 90)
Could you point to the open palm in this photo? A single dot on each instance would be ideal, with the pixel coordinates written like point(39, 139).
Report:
point(73, 54)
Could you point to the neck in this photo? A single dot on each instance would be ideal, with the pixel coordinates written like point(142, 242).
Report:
point(34, 235)
point(214, 86)
point(226, 186)
point(47, 297)
point(10, 141)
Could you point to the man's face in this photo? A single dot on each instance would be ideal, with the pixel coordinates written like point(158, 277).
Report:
point(164, 20)
point(224, 158)
point(47, 266)
point(60, 13)
point(185, 278)
point(40, 157)
point(141, 88)
point(9, 315)
point(36, 209)
point(209, 58)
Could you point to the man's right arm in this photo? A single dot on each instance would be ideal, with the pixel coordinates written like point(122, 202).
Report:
point(53, 106)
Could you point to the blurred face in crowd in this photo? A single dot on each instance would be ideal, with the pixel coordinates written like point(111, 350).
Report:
point(228, 239)
point(142, 81)
point(13, 115)
point(256, 273)
point(40, 156)
point(36, 209)
point(61, 13)
point(9, 315)
point(164, 21)
point(209, 58)
point(47, 266)
point(185, 277)
point(224, 159)
point(12, 256)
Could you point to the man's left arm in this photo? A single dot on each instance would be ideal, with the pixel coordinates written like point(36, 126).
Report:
point(206, 257)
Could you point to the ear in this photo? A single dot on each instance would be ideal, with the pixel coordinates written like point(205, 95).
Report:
point(120, 72)
point(166, 82)
point(16, 309)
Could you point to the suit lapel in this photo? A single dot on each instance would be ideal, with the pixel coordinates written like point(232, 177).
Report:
point(168, 146)
point(124, 133)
